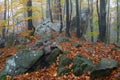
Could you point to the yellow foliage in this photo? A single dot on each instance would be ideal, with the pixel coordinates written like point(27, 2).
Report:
point(1, 8)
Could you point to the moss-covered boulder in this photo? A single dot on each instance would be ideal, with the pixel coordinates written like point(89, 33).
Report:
point(21, 62)
point(81, 65)
point(104, 68)
point(53, 56)
point(64, 61)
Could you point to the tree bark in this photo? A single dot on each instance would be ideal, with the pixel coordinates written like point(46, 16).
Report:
point(4, 27)
point(108, 22)
point(67, 19)
point(77, 20)
point(91, 19)
point(102, 21)
point(50, 11)
point(61, 21)
point(29, 12)
point(118, 23)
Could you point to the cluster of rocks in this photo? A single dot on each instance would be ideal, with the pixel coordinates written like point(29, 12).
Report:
point(46, 53)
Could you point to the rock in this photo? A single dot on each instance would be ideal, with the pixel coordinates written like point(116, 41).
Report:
point(62, 39)
point(53, 56)
point(4, 77)
point(46, 60)
point(103, 68)
point(49, 46)
point(21, 62)
point(76, 45)
point(38, 43)
point(32, 47)
point(46, 37)
point(2, 44)
point(47, 26)
point(81, 65)
point(23, 40)
point(43, 27)
point(64, 61)
point(47, 49)
point(54, 26)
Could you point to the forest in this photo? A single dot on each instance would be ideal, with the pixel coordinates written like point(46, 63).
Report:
point(59, 39)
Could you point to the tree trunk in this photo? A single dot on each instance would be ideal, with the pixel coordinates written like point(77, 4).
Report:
point(118, 23)
point(108, 23)
point(42, 10)
point(61, 21)
point(67, 19)
point(77, 20)
point(29, 12)
point(13, 21)
point(50, 11)
point(4, 27)
point(102, 21)
point(91, 19)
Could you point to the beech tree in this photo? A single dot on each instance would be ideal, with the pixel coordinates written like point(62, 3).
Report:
point(118, 22)
point(102, 20)
point(29, 12)
point(78, 20)
point(60, 15)
point(50, 11)
point(4, 27)
point(67, 19)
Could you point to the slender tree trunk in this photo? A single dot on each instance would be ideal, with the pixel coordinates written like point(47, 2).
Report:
point(81, 32)
point(13, 22)
point(67, 19)
point(56, 11)
point(42, 10)
point(71, 7)
point(61, 21)
point(91, 19)
point(77, 19)
point(29, 12)
point(50, 11)
point(4, 27)
point(118, 22)
point(108, 23)
point(8, 15)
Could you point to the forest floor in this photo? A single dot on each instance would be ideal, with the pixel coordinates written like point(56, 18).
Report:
point(93, 51)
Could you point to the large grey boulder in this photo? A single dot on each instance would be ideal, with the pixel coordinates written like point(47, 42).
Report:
point(54, 26)
point(46, 37)
point(43, 27)
point(47, 26)
point(21, 62)
point(104, 68)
